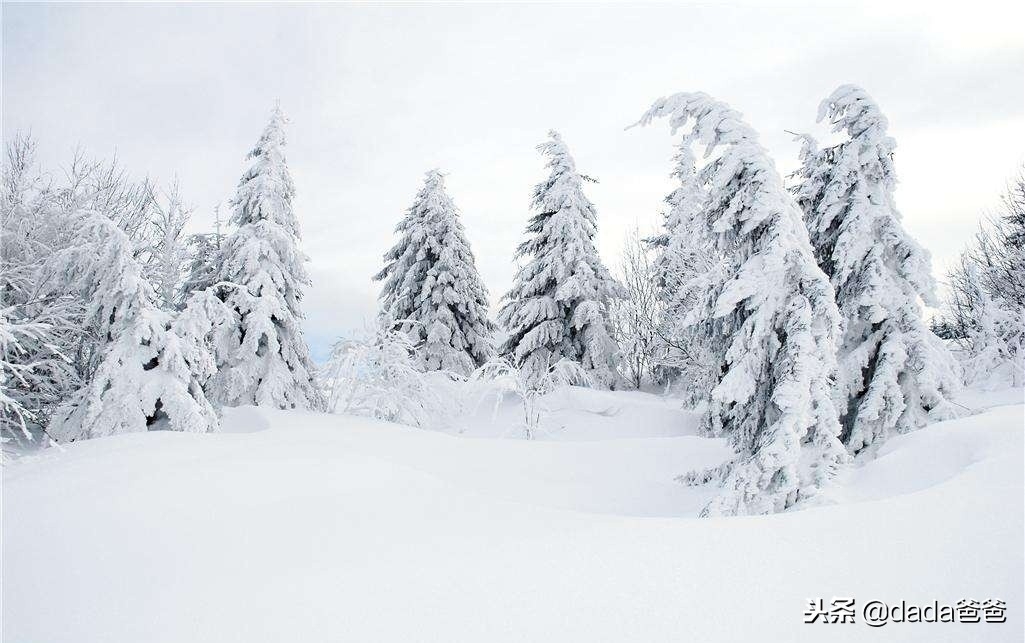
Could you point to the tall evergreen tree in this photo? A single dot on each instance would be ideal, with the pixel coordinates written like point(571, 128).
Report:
point(265, 361)
point(681, 237)
point(558, 306)
point(432, 290)
point(772, 307)
point(894, 375)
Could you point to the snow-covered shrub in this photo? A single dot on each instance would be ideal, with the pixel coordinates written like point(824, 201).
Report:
point(53, 350)
point(145, 376)
point(558, 306)
point(383, 377)
point(530, 386)
point(90, 346)
point(894, 374)
point(268, 362)
point(431, 282)
point(772, 310)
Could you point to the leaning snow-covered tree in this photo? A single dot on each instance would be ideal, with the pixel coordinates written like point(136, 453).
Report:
point(894, 374)
point(146, 378)
point(773, 309)
point(558, 306)
point(267, 362)
point(432, 288)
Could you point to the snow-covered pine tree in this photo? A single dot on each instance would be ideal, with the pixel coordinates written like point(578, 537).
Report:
point(145, 379)
point(268, 362)
point(677, 242)
point(773, 309)
point(558, 306)
point(431, 286)
point(894, 375)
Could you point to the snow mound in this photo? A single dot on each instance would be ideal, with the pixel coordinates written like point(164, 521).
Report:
point(922, 459)
point(325, 528)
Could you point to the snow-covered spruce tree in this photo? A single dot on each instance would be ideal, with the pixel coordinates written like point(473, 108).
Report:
point(431, 286)
point(146, 375)
point(267, 362)
point(894, 375)
point(773, 309)
point(678, 240)
point(558, 306)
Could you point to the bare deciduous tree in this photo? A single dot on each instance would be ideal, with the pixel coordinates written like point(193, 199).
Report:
point(986, 297)
point(636, 317)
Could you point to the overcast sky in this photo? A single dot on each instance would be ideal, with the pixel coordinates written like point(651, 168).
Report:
point(377, 95)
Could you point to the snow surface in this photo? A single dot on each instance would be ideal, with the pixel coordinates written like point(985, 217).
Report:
point(293, 526)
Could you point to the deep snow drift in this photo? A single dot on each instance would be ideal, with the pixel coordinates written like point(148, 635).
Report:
point(309, 527)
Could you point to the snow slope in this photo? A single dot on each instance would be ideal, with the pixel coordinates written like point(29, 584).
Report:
point(307, 527)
